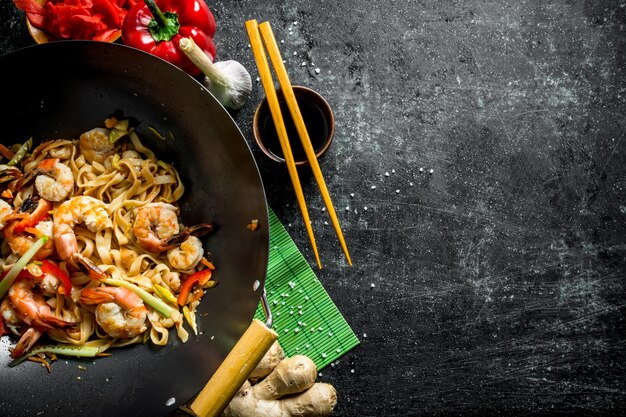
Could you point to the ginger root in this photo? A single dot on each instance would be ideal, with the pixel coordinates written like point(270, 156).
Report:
point(287, 388)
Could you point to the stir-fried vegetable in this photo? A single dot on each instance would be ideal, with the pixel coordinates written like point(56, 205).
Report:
point(11, 276)
point(154, 302)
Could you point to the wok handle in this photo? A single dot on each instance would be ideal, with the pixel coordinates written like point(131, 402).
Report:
point(234, 371)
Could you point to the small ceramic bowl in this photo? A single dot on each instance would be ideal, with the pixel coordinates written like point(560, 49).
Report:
point(318, 119)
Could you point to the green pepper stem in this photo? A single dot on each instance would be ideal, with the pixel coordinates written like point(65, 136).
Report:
point(163, 26)
point(157, 14)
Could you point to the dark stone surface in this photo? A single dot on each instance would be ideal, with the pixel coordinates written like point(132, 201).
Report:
point(478, 173)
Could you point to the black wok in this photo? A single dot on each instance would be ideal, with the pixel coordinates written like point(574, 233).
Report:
point(61, 89)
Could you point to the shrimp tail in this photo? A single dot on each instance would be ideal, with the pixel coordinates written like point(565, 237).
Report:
point(26, 342)
point(197, 230)
point(80, 261)
point(52, 322)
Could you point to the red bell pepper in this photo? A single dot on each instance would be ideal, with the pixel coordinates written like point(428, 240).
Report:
point(200, 277)
point(47, 267)
point(98, 20)
point(157, 29)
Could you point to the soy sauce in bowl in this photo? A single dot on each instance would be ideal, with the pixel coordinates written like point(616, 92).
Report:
point(318, 119)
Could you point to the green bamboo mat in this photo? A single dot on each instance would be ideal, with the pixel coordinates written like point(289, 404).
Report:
point(305, 317)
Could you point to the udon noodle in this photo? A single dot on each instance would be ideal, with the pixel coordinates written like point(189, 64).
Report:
point(117, 265)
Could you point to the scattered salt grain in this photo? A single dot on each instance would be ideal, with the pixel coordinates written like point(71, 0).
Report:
point(410, 184)
point(351, 371)
point(317, 70)
point(393, 171)
point(397, 191)
point(303, 64)
point(365, 208)
point(373, 187)
point(347, 208)
point(295, 53)
point(431, 171)
point(282, 41)
point(386, 174)
point(372, 285)
point(421, 169)
point(325, 223)
point(170, 402)
point(352, 195)
point(365, 335)
point(292, 284)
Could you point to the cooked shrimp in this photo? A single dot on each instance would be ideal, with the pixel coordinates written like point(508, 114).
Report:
point(31, 307)
point(187, 255)
point(28, 339)
point(155, 224)
point(23, 228)
point(8, 313)
point(120, 312)
point(5, 211)
point(20, 242)
point(95, 146)
point(56, 180)
point(87, 210)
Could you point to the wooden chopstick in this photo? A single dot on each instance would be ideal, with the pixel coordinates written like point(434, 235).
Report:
point(272, 99)
point(281, 72)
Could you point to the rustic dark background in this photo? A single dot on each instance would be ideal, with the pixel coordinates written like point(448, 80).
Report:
point(478, 172)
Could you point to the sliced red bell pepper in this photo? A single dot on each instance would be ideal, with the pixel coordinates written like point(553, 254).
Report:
point(200, 277)
point(48, 267)
point(157, 29)
point(77, 19)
